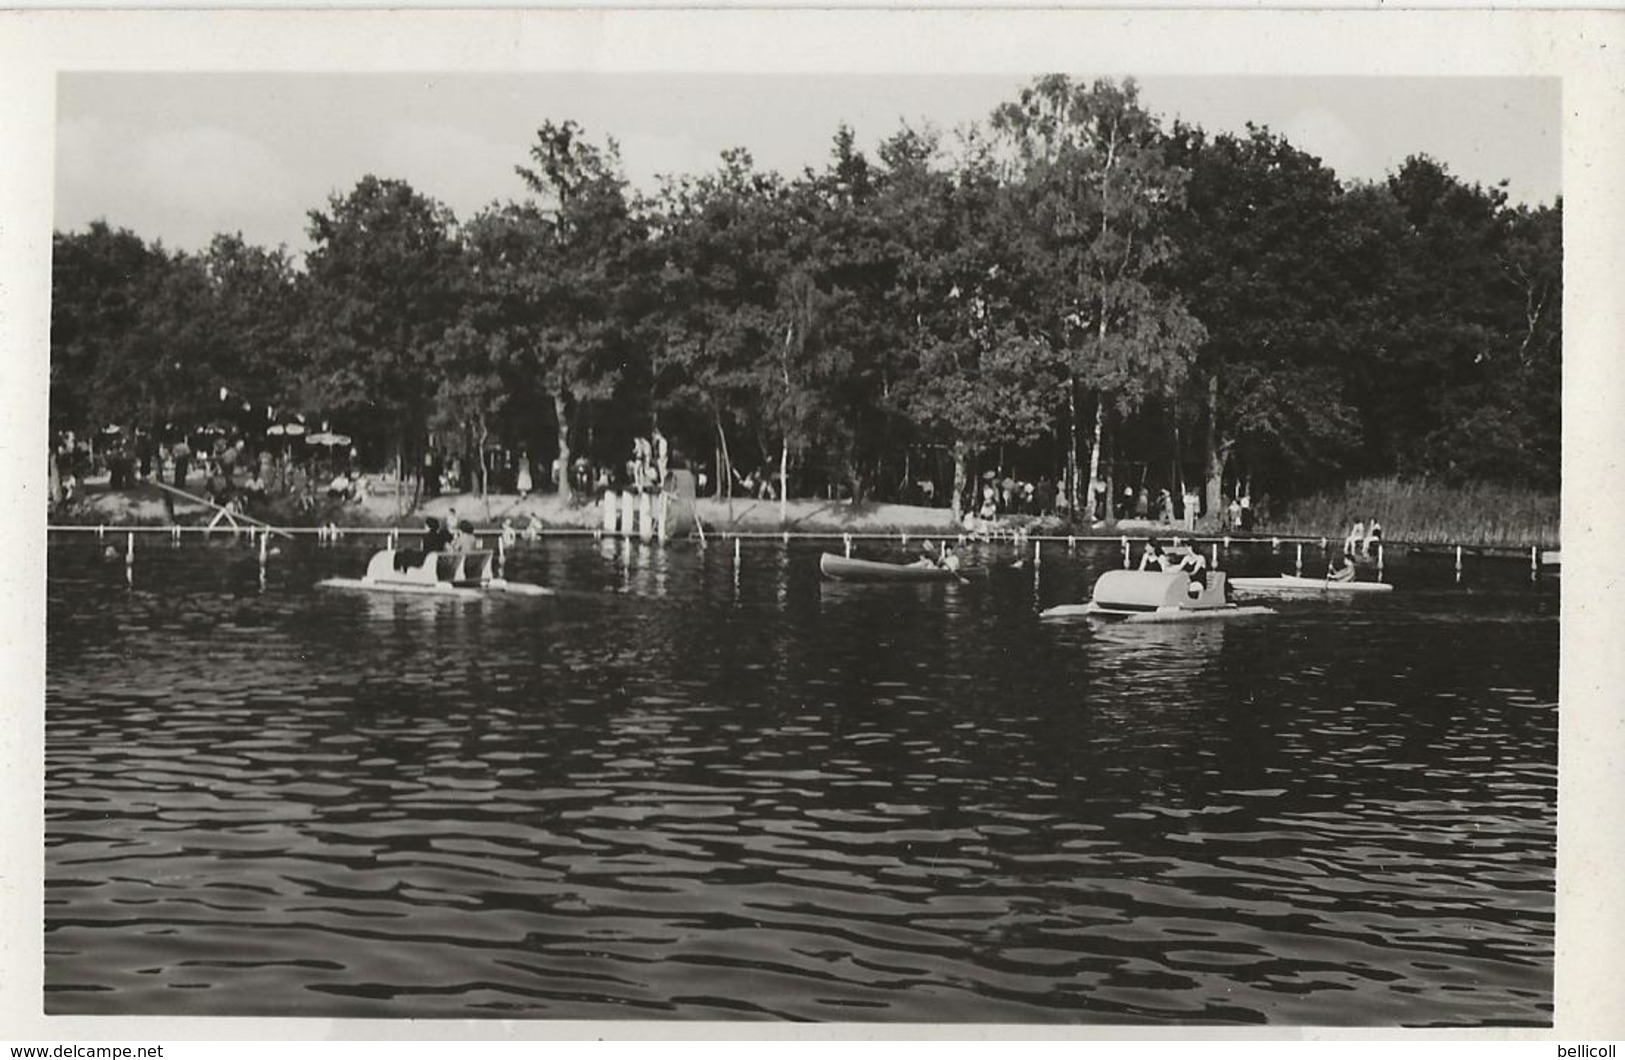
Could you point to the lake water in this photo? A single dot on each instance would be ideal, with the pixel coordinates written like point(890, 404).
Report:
point(689, 789)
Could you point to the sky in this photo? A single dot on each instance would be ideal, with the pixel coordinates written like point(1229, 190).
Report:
point(180, 157)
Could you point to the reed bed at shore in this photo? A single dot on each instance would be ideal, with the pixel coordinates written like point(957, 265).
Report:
point(1428, 513)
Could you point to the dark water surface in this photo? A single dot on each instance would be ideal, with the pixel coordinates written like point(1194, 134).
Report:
point(686, 790)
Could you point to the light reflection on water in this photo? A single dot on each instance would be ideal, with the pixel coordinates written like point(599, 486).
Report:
point(690, 788)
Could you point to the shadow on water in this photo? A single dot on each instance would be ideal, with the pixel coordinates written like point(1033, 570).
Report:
point(692, 788)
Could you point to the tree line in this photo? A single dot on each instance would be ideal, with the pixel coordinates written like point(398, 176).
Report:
point(1072, 288)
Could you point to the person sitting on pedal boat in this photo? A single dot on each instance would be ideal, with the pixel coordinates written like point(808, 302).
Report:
point(435, 537)
point(1194, 565)
point(1152, 558)
point(464, 540)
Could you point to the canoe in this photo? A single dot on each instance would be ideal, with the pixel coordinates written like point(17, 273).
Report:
point(1292, 585)
point(409, 572)
point(847, 569)
point(1142, 596)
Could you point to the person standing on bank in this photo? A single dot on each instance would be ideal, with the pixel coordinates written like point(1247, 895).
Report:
point(524, 483)
point(182, 454)
point(661, 452)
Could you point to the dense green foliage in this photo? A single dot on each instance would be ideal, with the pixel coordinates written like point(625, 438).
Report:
point(1072, 291)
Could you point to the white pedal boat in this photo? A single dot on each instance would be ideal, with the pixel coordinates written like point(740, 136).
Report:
point(416, 573)
point(1156, 596)
point(1293, 585)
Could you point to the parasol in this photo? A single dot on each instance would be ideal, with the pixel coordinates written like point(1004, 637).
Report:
point(328, 438)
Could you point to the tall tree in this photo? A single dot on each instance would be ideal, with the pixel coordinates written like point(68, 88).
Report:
point(981, 376)
point(723, 249)
point(254, 317)
point(578, 281)
point(1101, 195)
point(1282, 281)
point(383, 288)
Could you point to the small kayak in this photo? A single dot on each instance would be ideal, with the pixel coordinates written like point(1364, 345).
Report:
point(1293, 585)
point(847, 569)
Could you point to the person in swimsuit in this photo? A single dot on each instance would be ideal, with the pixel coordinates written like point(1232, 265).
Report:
point(435, 537)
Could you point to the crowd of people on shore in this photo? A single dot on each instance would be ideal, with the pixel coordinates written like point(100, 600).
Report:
point(224, 468)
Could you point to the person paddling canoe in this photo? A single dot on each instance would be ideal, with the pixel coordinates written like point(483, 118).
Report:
point(945, 559)
point(1341, 569)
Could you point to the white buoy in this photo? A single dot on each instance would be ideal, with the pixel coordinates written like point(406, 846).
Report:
point(101, 531)
point(846, 540)
point(1299, 567)
point(129, 549)
point(1125, 553)
point(736, 551)
point(1215, 556)
point(1323, 544)
point(1379, 558)
point(1072, 542)
point(904, 539)
point(1037, 559)
point(1534, 560)
point(1458, 559)
point(1275, 543)
point(265, 538)
point(1227, 542)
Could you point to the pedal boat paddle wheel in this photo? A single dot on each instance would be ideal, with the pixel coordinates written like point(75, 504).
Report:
point(417, 573)
point(1156, 596)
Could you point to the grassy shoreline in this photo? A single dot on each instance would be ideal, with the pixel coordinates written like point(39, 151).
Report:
point(1413, 513)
